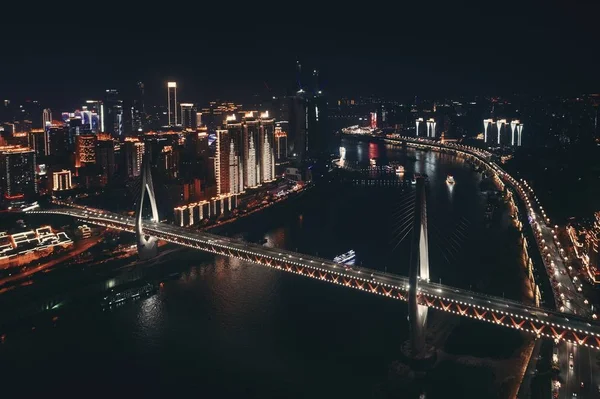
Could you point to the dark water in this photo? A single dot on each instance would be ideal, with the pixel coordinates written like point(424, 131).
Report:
point(221, 327)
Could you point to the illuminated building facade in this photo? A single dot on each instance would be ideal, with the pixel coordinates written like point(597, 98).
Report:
point(98, 115)
point(46, 118)
point(61, 180)
point(250, 130)
point(194, 213)
point(17, 172)
point(228, 165)
point(281, 146)
point(431, 125)
point(188, 115)
point(418, 124)
point(172, 103)
point(267, 148)
point(113, 118)
point(38, 140)
point(133, 152)
point(85, 150)
point(373, 120)
point(516, 128)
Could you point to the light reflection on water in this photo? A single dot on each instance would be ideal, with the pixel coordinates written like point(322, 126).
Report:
point(234, 328)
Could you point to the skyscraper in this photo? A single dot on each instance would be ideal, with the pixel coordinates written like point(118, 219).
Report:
point(97, 108)
point(133, 151)
point(17, 173)
point(250, 134)
point(39, 142)
point(228, 168)
point(113, 108)
point(172, 103)
point(105, 159)
point(46, 117)
point(85, 150)
point(138, 110)
point(188, 115)
point(267, 147)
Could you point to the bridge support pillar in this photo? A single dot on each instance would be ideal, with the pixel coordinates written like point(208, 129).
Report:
point(419, 270)
point(147, 245)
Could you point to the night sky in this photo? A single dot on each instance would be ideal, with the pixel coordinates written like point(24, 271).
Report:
point(395, 51)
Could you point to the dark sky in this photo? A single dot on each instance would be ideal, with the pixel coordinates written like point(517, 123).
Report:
point(388, 49)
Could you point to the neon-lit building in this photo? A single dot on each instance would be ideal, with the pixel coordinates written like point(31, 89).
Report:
point(267, 147)
point(61, 180)
point(85, 150)
point(228, 164)
point(373, 120)
point(172, 103)
point(17, 172)
point(281, 153)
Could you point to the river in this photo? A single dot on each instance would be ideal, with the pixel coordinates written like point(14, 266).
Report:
point(221, 327)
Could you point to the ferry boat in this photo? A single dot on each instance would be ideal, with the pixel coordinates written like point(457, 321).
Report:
point(450, 179)
point(343, 258)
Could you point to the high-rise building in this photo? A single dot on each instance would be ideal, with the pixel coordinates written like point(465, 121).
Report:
point(61, 180)
point(138, 110)
point(113, 119)
point(85, 150)
point(228, 167)
point(46, 118)
point(249, 131)
point(298, 125)
point(39, 141)
point(267, 148)
point(198, 119)
point(188, 115)
point(172, 103)
point(17, 172)
point(281, 146)
point(97, 109)
point(60, 145)
point(105, 159)
point(133, 151)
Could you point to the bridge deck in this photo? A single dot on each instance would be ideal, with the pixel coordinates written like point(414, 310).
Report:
point(504, 312)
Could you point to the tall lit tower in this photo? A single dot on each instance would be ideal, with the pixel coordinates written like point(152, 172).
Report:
point(188, 115)
point(172, 103)
point(486, 125)
point(519, 131)
point(513, 125)
point(499, 124)
point(267, 147)
point(431, 127)
point(46, 117)
point(418, 122)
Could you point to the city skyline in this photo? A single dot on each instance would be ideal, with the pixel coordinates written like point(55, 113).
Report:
point(204, 206)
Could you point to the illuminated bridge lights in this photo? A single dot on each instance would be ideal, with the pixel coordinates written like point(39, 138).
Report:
point(457, 302)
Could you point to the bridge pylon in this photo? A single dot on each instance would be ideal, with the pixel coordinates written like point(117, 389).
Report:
point(147, 245)
point(419, 270)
